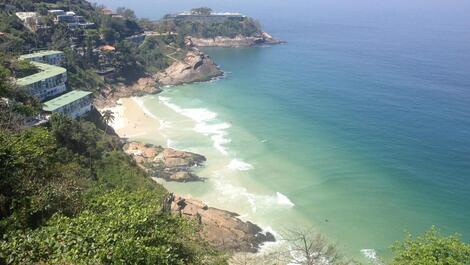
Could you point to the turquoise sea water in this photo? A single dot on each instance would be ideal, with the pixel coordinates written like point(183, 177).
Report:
point(361, 130)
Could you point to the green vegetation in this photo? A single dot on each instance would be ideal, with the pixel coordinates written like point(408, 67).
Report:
point(116, 227)
point(83, 59)
point(204, 11)
point(203, 26)
point(243, 26)
point(431, 248)
point(69, 195)
point(229, 28)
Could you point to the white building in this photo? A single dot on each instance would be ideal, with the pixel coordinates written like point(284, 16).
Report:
point(48, 82)
point(49, 57)
point(29, 19)
point(74, 103)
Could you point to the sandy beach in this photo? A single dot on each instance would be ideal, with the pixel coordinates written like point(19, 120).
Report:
point(132, 122)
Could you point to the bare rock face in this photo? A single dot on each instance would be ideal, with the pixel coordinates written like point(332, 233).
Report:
point(220, 228)
point(238, 41)
point(195, 67)
point(166, 163)
point(143, 86)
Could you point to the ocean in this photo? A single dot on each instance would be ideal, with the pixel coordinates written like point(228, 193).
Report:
point(358, 127)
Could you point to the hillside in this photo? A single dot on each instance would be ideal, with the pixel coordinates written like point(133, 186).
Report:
point(68, 193)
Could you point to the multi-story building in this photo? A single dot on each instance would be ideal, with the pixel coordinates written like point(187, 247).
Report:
point(48, 57)
point(74, 103)
point(71, 19)
point(48, 82)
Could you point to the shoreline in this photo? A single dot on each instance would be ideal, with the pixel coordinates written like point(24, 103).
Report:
point(134, 123)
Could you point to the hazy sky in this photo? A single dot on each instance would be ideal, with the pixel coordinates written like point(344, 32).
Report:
point(421, 12)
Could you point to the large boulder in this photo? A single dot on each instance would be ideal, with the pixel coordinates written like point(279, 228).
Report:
point(166, 163)
point(144, 85)
point(195, 67)
point(220, 228)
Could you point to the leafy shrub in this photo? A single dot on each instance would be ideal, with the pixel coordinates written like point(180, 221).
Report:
point(116, 228)
point(432, 248)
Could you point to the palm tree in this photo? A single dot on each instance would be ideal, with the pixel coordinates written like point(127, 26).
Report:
point(107, 116)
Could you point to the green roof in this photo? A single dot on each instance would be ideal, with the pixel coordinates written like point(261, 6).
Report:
point(64, 100)
point(46, 71)
point(39, 54)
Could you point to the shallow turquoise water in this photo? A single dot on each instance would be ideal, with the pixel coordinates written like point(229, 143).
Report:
point(367, 137)
point(359, 126)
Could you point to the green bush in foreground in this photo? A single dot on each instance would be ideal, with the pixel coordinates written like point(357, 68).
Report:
point(432, 248)
point(117, 227)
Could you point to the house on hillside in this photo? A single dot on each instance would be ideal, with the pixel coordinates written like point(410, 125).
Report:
point(71, 19)
point(31, 20)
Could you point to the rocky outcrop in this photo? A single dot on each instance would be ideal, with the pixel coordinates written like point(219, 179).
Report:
point(220, 228)
point(166, 163)
point(109, 96)
point(238, 41)
point(195, 67)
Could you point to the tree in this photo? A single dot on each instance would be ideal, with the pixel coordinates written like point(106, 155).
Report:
point(126, 13)
point(118, 227)
point(203, 11)
point(431, 248)
point(107, 117)
point(310, 248)
point(61, 38)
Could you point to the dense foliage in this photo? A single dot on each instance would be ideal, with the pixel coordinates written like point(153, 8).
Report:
point(245, 26)
point(229, 28)
point(116, 227)
point(431, 248)
point(68, 195)
point(83, 58)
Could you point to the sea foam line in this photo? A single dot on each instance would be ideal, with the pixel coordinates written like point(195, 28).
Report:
point(235, 193)
point(140, 103)
point(237, 164)
point(203, 118)
point(371, 254)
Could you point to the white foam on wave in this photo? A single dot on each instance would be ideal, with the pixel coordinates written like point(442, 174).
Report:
point(140, 102)
point(371, 254)
point(237, 164)
point(203, 118)
point(284, 200)
point(164, 124)
point(237, 193)
point(169, 143)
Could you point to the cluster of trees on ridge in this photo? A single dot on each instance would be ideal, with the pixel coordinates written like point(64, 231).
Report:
point(246, 26)
point(70, 195)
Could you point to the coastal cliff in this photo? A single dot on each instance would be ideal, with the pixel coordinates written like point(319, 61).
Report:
point(238, 41)
point(143, 86)
point(195, 67)
point(222, 229)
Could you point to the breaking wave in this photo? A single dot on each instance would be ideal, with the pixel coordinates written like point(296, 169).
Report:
point(204, 119)
point(237, 164)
